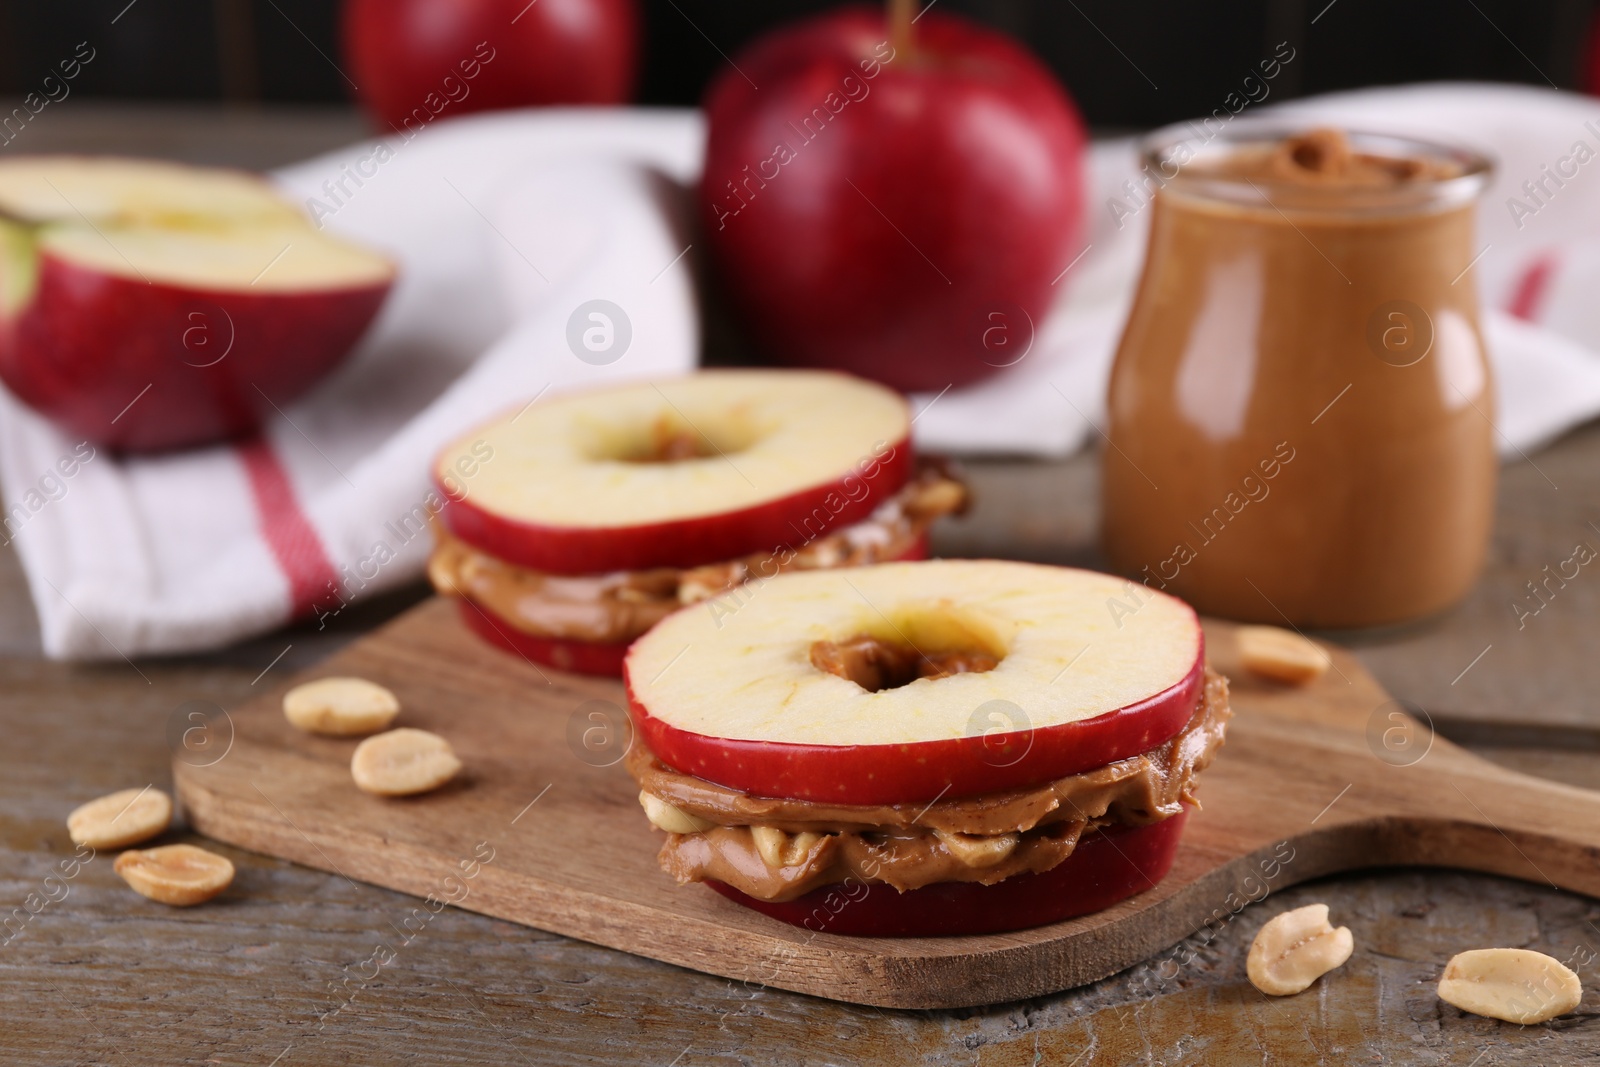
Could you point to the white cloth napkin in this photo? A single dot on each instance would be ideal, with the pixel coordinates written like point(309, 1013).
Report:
point(502, 226)
point(505, 224)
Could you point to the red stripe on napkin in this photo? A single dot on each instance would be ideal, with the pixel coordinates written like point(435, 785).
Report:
point(295, 545)
point(1527, 298)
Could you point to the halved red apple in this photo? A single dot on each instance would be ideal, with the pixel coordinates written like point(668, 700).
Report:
point(679, 473)
point(148, 305)
point(1089, 669)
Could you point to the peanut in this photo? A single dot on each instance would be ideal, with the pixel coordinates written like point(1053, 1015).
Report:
point(1296, 948)
point(441, 575)
point(403, 762)
point(672, 819)
point(703, 583)
point(940, 498)
point(1514, 984)
point(121, 819)
point(779, 849)
point(342, 707)
point(978, 850)
point(1281, 655)
point(179, 875)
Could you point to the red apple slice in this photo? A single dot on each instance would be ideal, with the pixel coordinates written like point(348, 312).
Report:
point(1092, 669)
point(1107, 866)
point(678, 473)
point(580, 657)
point(147, 305)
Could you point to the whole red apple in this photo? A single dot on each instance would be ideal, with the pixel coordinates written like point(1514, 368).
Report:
point(419, 59)
point(895, 210)
point(1591, 62)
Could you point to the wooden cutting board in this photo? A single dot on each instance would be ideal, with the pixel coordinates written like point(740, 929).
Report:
point(543, 827)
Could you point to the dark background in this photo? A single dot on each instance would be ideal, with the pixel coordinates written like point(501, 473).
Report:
point(1127, 63)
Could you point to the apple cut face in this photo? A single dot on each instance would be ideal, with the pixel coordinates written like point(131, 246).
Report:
point(147, 306)
point(677, 473)
point(258, 257)
point(1082, 669)
point(110, 189)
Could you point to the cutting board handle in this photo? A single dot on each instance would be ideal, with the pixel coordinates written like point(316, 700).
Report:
point(1474, 814)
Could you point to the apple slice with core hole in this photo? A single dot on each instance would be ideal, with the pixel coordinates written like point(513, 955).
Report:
point(1107, 866)
point(149, 305)
point(581, 657)
point(677, 473)
point(1087, 669)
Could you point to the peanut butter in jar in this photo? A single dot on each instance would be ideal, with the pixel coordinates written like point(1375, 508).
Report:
point(1300, 405)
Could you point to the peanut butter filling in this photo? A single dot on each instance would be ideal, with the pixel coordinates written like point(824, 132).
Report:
point(1324, 157)
point(670, 443)
point(732, 855)
point(1343, 268)
point(775, 849)
point(874, 664)
point(616, 608)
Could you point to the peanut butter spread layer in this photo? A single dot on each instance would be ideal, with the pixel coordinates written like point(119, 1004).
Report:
point(733, 855)
point(1325, 157)
point(775, 849)
point(618, 607)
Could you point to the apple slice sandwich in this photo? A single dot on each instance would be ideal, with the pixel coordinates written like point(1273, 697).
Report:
point(925, 748)
point(148, 305)
point(577, 523)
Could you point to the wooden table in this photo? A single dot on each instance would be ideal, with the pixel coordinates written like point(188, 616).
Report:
point(104, 976)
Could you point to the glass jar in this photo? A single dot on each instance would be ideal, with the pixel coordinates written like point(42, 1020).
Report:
point(1300, 405)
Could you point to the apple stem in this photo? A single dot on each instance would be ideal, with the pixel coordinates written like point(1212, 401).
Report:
point(901, 15)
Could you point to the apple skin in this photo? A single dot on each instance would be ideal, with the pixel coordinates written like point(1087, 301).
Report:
point(553, 52)
point(88, 343)
point(970, 147)
point(924, 770)
point(572, 550)
point(1591, 58)
point(579, 657)
point(1108, 866)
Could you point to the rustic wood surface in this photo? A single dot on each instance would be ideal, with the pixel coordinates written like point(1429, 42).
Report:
point(1353, 786)
point(104, 976)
